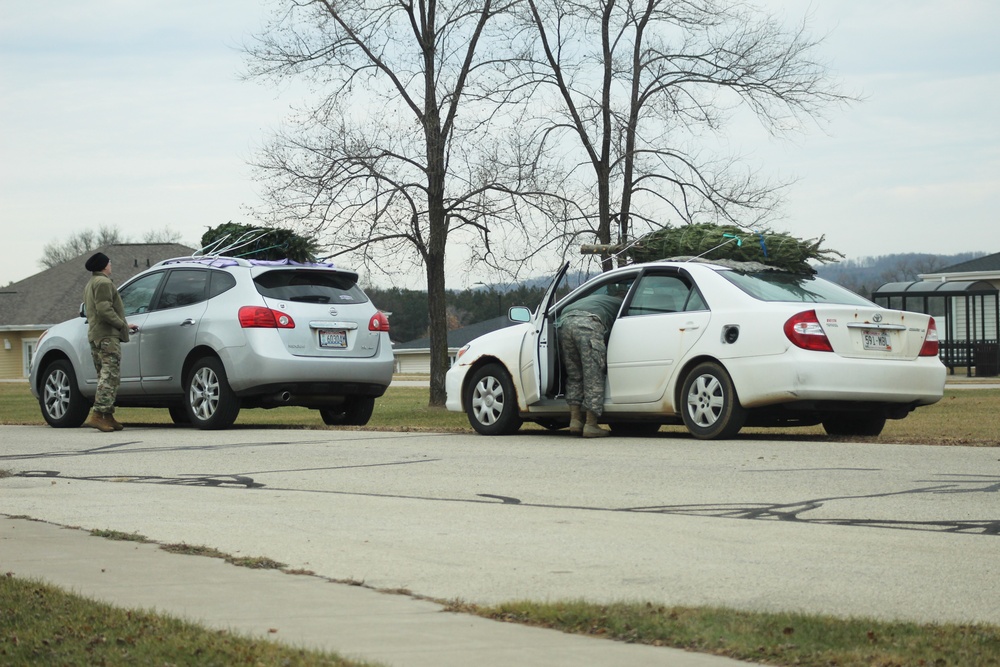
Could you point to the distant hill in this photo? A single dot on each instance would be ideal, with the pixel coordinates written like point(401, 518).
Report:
point(868, 273)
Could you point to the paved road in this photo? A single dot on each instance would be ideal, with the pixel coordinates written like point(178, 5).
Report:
point(884, 530)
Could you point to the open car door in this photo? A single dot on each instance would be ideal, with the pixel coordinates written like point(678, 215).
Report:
point(539, 354)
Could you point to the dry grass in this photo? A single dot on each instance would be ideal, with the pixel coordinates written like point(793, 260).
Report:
point(965, 416)
point(42, 625)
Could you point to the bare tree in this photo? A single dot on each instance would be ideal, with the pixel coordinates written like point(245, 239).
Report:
point(57, 252)
point(643, 85)
point(165, 235)
point(385, 166)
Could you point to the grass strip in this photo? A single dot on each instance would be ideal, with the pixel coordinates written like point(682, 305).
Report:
point(967, 417)
point(771, 638)
point(42, 625)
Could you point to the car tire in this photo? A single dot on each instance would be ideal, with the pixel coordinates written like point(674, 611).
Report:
point(63, 406)
point(709, 404)
point(864, 424)
point(209, 401)
point(179, 415)
point(491, 403)
point(355, 411)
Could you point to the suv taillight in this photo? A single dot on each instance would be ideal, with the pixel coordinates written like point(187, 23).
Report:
point(805, 331)
point(930, 346)
point(378, 322)
point(258, 317)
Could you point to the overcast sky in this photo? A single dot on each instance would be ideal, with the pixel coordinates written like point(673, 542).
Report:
point(132, 114)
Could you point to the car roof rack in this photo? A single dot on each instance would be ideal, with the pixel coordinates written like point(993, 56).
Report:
point(225, 260)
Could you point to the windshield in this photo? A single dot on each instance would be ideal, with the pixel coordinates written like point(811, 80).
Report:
point(778, 286)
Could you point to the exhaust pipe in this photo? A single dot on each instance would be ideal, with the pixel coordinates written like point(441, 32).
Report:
point(284, 396)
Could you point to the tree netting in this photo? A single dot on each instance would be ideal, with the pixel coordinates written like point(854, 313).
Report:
point(729, 242)
point(237, 240)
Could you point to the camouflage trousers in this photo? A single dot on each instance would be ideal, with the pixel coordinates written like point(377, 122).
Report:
point(107, 354)
point(585, 355)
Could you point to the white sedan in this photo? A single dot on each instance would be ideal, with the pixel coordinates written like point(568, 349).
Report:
point(714, 348)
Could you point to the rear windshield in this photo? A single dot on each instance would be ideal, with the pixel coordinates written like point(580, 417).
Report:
point(310, 287)
point(778, 286)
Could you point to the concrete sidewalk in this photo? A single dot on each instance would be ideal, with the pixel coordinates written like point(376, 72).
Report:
point(302, 610)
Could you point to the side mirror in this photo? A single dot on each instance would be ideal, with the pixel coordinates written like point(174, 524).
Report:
point(519, 314)
point(83, 309)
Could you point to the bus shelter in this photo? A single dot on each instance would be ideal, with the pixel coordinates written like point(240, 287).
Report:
point(966, 313)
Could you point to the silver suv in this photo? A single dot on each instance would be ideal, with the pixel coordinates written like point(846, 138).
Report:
point(217, 334)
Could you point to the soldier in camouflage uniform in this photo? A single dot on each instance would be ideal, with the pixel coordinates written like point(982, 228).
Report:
point(106, 331)
point(583, 327)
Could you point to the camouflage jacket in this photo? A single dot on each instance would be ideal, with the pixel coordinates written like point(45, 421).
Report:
point(105, 311)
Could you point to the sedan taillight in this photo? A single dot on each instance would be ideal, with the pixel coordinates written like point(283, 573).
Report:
point(378, 322)
point(930, 346)
point(805, 331)
point(258, 317)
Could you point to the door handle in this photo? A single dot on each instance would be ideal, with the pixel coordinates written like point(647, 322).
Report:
point(187, 323)
point(690, 326)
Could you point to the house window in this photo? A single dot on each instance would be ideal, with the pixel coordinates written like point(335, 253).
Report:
point(28, 346)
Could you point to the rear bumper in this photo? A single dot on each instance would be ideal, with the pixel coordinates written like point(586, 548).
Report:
point(825, 377)
point(308, 394)
point(260, 368)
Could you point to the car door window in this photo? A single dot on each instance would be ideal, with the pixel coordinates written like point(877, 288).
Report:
point(695, 301)
point(138, 295)
point(617, 287)
point(659, 294)
point(183, 288)
point(220, 282)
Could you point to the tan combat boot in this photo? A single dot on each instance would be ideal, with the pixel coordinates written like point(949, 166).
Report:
point(575, 420)
point(99, 421)
point(592, 430)
point(115, 424)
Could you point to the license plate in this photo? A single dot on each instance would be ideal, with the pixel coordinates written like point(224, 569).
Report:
point(876, 340)
point(335, 339)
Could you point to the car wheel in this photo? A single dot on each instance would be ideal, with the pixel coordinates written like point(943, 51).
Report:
point(490, 402)
point(179, 415)
point(866, 423)
point(711, 408)
point(210, 402)
point(638, 429)
point(354, 412)
point(63, 406)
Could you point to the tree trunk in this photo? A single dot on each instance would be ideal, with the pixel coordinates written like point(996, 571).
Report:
point(436, 308)
point(436, 244)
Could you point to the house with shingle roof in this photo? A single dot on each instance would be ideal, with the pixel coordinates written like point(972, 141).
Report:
point(415, 356)
point(30, 306)
point(985, 268)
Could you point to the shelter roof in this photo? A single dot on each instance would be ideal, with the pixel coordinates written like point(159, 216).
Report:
point(936, 287)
